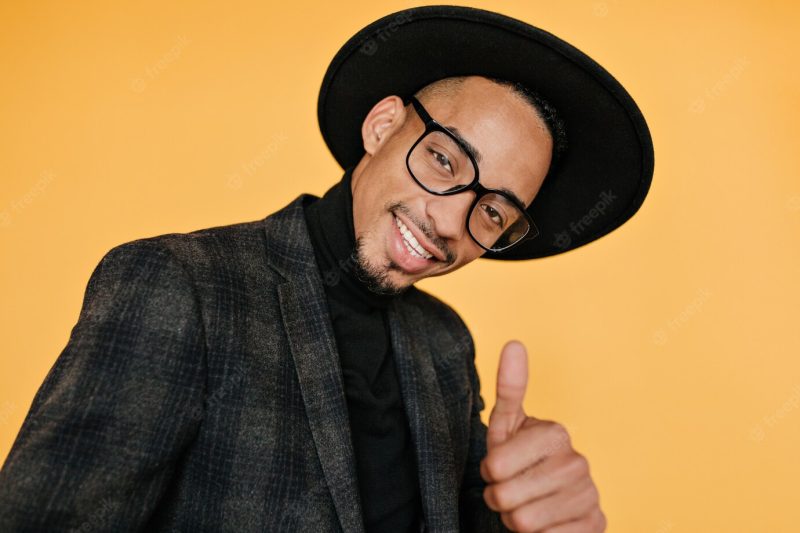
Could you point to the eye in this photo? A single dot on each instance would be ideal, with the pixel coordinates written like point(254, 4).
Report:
point(494, 215)
point(442, 160)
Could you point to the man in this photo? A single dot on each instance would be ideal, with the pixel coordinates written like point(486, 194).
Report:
point(285, 374)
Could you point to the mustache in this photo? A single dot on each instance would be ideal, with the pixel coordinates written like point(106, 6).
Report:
point(425, 229)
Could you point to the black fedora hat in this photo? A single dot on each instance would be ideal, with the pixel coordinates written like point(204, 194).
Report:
point(600, 180)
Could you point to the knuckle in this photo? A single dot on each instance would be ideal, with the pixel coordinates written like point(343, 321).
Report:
point(594, 494)
point(494, 466)
point(557, 438)
point(581, 465)
point(600, 521)
point(488, 497)
point(501, 499)
point(560, 433)
point(527, 520)
point(520, 521)
point(506, 519)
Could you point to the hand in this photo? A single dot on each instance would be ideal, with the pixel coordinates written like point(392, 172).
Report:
point(535, 479)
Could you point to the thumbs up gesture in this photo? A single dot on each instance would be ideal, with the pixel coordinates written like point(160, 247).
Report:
point(535, 479)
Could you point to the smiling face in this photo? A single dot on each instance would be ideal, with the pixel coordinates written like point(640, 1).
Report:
point(515, 148)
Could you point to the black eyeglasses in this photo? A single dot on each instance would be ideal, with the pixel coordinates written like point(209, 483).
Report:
point(443, 165)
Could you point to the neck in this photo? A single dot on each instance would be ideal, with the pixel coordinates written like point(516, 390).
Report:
point(332, 232)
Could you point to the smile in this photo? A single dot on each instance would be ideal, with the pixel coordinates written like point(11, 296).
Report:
point(413, 246)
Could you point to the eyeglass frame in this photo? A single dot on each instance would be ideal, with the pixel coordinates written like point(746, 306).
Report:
point(480, 191)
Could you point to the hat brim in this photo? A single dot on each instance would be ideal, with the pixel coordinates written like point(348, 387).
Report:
point(606, 170)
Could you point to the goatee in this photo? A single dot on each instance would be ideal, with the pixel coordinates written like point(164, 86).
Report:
point(374, 279)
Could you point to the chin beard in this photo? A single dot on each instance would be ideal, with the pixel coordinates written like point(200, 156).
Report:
point(375, 279)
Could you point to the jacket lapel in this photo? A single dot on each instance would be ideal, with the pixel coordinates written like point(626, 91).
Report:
point(425, 408)
point(311, 338)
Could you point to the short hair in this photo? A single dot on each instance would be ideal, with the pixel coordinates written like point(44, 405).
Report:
point(446, 87)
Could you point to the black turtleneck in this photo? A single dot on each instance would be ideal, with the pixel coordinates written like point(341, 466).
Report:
point(384, 454)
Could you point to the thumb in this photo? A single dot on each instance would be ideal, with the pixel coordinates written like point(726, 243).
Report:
point(512, 381)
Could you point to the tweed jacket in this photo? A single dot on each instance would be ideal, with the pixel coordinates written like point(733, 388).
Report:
point(201, 390)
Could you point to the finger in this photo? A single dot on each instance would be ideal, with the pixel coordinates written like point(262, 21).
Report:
point(533, 483)
point(595, 521)
point(512, 380)
point(565, 506)
point(534, 442)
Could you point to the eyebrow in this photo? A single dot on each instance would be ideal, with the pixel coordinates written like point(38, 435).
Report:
point(476, 155)
point(512, 195)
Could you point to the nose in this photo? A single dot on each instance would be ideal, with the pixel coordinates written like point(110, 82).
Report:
point(449, 214)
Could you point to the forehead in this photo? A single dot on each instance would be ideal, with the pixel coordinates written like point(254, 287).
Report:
point(511, 140)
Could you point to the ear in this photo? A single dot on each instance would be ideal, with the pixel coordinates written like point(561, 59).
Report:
point(381, 122)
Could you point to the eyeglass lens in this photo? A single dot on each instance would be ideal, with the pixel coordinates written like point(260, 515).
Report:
point(439, 164)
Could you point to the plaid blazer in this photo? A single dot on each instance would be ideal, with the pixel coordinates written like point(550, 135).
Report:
point(201, 390)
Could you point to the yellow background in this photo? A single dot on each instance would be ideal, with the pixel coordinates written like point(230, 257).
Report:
point(669, 348)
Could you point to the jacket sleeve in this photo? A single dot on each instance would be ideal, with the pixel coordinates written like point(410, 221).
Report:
point(475, 515)
point(106, 428)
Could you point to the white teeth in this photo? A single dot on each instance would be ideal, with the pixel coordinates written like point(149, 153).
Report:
point(411, 243)
point(412, 251)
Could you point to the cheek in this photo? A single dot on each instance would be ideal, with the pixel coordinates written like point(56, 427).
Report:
point(470, 250)
point(466, 253)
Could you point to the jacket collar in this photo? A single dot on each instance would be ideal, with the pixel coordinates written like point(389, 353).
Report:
point(313, 346)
